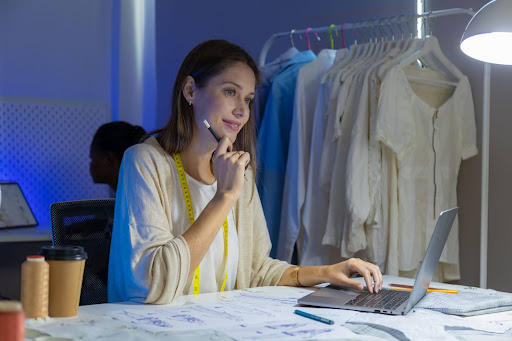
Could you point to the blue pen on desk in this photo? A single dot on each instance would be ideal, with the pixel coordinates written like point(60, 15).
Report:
point(314, 317)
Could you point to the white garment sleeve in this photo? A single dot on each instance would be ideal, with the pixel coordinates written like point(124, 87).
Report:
point(468, 125)
point(357, 194)
point(395, 124)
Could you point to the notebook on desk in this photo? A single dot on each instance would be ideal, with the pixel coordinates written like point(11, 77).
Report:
point(14, 208)
point(388, 301)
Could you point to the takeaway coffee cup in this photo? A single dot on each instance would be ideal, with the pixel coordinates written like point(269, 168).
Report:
point(66, 274)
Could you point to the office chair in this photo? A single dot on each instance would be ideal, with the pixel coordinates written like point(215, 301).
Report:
point(87, 223)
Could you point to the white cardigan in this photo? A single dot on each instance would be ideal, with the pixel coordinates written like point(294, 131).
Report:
point(148, 263)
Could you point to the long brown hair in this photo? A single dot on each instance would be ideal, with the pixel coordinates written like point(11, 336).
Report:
point(205, 61)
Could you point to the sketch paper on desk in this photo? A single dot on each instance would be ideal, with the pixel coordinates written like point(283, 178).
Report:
point(197, 316)
point(293, 329)
point(501, 319)
point(420, 322)
point(242, 309)
point(98, 327)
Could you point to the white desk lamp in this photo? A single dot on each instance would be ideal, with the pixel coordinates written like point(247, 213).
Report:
point(488, 37)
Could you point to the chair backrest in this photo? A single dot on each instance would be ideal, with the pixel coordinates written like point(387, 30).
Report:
point(87, 223)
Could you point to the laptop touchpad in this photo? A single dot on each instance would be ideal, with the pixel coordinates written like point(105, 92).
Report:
point(341, 295)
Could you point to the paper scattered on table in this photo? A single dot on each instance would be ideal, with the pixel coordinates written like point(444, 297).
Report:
point(503, 319)
point(292, 329)
point(246, 308)
point(420, 322)
point(260, 313)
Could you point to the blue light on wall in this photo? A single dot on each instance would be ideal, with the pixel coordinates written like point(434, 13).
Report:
point(44, 146)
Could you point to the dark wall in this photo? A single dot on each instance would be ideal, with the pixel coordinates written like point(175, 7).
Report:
point(181, 25)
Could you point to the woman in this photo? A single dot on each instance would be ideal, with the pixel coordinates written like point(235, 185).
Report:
point(186, 220)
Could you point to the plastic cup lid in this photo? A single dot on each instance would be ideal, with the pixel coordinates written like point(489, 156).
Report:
point(10, 306)
point(63, 252)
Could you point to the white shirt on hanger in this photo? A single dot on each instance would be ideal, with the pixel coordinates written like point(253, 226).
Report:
point(306, 96)
point(380, 230)
point(359, 187)
point(342, 229)
point(429, 144)
point(334, 161)
point(314, 215)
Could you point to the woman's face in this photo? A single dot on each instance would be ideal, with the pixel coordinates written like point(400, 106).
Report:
point(224, 102)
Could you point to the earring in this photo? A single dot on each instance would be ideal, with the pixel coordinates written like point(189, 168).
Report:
point(190, 102)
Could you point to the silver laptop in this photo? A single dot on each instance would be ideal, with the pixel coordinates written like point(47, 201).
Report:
point(388, 301)
point(14, 208)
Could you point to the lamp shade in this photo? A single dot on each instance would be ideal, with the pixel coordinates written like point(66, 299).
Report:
point(488, 36)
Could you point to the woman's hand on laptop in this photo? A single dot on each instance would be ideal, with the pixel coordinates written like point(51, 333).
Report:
point(340, 273)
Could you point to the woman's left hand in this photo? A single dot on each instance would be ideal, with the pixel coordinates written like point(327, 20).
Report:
point(340, 273)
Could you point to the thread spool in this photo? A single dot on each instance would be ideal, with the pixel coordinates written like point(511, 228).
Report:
point(35, 286)
point(12, 321)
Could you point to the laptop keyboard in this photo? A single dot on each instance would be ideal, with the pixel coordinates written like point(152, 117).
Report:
point(385, 299)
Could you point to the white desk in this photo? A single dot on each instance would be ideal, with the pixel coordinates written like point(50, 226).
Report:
point(41, 233)
point(263, 313)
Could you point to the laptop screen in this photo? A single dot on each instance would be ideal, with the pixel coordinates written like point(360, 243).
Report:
point(14, 208)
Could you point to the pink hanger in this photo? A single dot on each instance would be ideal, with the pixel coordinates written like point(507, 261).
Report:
point(307, 37)
point(342, 30)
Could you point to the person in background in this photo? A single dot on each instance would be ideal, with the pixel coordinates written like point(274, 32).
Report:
point(107, 149)
point(187, 219)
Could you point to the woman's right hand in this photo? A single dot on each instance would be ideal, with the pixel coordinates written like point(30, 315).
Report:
point(228, 169)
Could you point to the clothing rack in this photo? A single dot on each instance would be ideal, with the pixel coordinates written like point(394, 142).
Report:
point(485, 111)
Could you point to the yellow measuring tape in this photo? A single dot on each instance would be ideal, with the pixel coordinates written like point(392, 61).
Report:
point(190, 211)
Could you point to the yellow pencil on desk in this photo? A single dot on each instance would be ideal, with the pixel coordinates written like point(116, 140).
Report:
point(409, 288)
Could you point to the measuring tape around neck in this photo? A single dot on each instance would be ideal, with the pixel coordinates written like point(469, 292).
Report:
point(190, 211)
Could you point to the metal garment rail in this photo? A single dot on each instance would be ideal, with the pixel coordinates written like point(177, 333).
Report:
point(485, 112)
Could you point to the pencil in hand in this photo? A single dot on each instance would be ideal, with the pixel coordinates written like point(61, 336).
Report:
point(217, 138)
point(211, 130)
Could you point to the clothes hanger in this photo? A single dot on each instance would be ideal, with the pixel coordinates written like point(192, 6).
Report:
point(358, 54)
point(342, 32)
point(380, 44)
point(362, 49)
point(365, 54)
point(345, 61)
point(307, 37)
point(386, 23)
point(383, 46)
point(330, 35)
point(431, 47)
point(409, 47)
